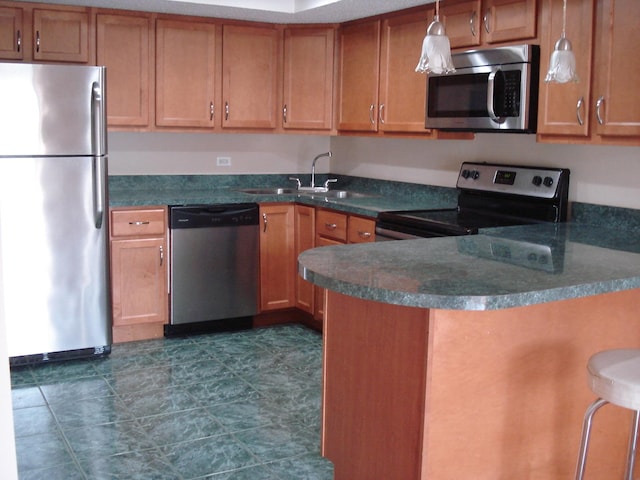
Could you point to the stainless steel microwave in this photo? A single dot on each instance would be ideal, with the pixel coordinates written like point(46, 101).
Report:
point(492, 90)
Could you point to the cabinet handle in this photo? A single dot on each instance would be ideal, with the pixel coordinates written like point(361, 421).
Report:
point(139, 222)
point(371, 117)
point(211, 111)
point(380, 110)
point(579, 106)
point(364, 235)
point(284, 113)
point(330, 226)
point(226, 110)
point(599, 103)
point(18, 41)
point(485, 20)
point(37, 41)
point(264, 222)
point(161, 255)
point(472, 22)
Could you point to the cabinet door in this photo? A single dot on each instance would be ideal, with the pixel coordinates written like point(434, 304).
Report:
point(185, 73)
point(123, 46)
point(564, 108)
point(277, 262)
point(359, 72)
point(249, 82)
point(11, 33)
point(304, 240)
point(308, 78)
point(138, 281)
point(319, 293)
point(402, 90)
point(463, 22)
point(617, 68)
point(60, 36)
point(507, 20)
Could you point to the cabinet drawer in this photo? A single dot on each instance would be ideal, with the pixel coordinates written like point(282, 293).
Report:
point(138, 222)
point(331, 224)
point(361, 230)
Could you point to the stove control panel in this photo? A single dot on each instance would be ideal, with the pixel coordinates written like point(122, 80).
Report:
point(510, 179)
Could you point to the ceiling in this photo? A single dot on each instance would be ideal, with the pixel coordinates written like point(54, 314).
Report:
point(272, 11)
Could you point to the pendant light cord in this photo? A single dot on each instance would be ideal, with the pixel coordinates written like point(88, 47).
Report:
point(564, 18)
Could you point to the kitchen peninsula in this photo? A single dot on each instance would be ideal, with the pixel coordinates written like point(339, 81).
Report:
point(465, 357)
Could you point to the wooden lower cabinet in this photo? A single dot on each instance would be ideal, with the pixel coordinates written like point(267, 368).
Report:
point(305, 218)
point(277, 261)
point(139, 258)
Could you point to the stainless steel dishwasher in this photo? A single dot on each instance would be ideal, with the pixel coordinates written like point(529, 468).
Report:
point(214, 267)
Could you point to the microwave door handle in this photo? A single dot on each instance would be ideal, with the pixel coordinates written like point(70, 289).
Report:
point(490, 94)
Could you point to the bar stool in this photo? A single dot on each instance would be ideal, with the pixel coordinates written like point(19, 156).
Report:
point(614, 376)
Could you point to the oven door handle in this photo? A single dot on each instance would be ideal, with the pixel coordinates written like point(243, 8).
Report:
point(386, 234)
point(491, 94)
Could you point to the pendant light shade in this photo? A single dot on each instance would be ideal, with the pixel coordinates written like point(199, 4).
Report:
point(562, 64)
point(436, 49)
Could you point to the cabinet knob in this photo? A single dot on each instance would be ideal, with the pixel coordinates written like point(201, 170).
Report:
point(472, 23)
point(211, 111)
point(18, 41)
point(161, 255)
point(371, 117)
point(380, 115)
point(486, 21)
point(599, 104)
point(330, 226)
point(579, 106)
point(284, 113)
point(38, 41)
point(226, 110)
point(365, 235)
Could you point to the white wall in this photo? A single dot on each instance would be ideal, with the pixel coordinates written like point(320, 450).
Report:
point(601, 175)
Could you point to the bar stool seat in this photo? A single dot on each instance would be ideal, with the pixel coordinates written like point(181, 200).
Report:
point(614, 376)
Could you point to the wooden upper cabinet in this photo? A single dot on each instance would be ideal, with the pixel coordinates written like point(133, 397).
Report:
point(123, 44)
point(185, 73)
point(308, 78)
point(359, 74)
point(507, 20)
point(463, 22)
point(60, 35)
point(616, 99)
point(249, 76)
point(402, 91)
point(472, 23)
point(11, 33)
point(564, 108)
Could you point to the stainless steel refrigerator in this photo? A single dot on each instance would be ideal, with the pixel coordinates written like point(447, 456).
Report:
point(53, 211)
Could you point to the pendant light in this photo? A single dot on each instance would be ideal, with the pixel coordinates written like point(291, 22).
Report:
point(562, 64)
point(436, 50)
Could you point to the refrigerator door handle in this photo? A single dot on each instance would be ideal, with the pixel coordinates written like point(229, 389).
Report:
point(98, 147)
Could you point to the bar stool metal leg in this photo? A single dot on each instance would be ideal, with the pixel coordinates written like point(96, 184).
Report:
point(586, 431)
point(633, 442)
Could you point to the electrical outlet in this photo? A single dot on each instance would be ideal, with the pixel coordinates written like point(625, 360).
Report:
point(223, 161)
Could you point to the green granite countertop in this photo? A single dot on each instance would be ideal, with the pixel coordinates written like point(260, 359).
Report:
point(210, 189)
point(500, 268)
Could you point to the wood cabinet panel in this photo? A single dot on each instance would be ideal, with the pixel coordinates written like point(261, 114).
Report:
point(60, 36)
point(564, 108)
point(11, 33)
point(304, 240)
point(185, 73)
point(361, 230)
point(277, 262)
point(308, 78)
point(359, 74)
point(249, 85)
point(139, 272)
point(508, 20)
point(331, 224)
point(463, 22)
point(402, 90)
point(617, 69)
point(123, 45)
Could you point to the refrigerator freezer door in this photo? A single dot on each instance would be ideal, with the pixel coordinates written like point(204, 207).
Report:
point(55, 269)
point(52, 110)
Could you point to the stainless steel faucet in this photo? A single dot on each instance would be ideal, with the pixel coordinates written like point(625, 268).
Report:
point(313, 167)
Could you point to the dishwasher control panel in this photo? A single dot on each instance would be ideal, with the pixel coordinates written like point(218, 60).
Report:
point(215, 215)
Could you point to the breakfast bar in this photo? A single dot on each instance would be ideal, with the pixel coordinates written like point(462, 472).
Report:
point(465, 357)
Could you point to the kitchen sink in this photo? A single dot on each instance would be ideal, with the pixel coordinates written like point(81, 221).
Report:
point(269, 191)
point(337, 194)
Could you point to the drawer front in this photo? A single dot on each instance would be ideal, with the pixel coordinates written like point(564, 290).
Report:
point(331, 224)
point(138, 222)
point(361, 230)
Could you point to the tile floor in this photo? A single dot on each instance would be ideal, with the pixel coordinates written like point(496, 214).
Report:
point(242, 405)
